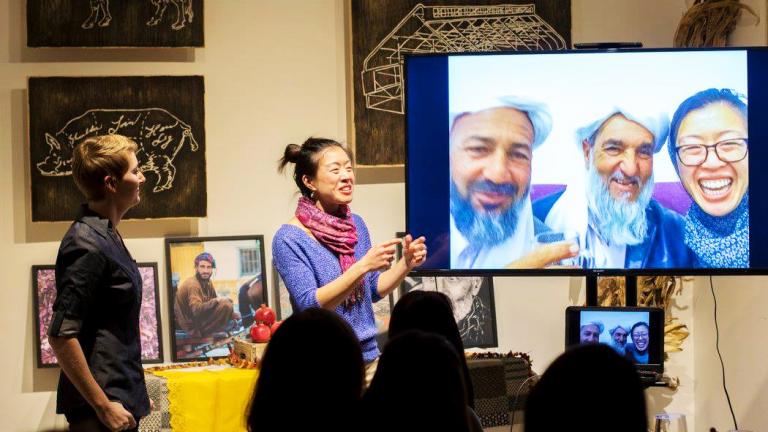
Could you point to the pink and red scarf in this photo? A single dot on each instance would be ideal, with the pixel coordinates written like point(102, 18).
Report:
point(337, 233)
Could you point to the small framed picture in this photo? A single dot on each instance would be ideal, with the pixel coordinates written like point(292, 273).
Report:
point(215, 285)
point(44, 294)
point(473, 305)
point(283, 306)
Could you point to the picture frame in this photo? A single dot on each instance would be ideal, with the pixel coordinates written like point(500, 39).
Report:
point(473, 304)
point(163, 115)
point(209, 302)
point(150, 322)
point(115, 24)
point(282, 304)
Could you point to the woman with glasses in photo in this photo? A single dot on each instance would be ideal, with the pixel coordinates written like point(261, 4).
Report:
point(708, 144)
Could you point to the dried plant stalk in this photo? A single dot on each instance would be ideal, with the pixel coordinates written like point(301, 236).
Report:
point(708, 23)
point(657, 291)
point(611, 291)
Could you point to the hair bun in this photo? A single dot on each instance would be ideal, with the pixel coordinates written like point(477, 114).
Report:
point(292, 152)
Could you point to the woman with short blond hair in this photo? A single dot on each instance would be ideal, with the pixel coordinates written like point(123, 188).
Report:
point(97, 157)
point(94, 329)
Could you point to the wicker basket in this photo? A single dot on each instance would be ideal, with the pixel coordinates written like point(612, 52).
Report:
point(253, 352)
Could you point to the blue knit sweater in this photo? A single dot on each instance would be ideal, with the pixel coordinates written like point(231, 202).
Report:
point(305, 265)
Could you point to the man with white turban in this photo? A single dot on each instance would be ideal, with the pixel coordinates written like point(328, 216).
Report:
point(620, 225)
point(491, 149)
point(619, 339)
point(589, 333)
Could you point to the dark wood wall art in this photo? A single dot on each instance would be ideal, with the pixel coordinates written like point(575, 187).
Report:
point(115, 23)
point(163, 114)
point(383, 31)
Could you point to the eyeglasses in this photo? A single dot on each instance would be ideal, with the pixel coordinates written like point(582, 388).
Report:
point(730, 150)
point(639, 335)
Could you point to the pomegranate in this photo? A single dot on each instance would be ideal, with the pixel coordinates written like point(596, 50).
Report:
point(275, 326)
point(265, 315)
point(260, 333)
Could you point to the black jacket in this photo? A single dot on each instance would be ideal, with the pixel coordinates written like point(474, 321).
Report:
point(98, 300)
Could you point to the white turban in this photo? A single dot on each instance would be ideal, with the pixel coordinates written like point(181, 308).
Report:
point(537, 113)
point(657, 123)
point(598, 324)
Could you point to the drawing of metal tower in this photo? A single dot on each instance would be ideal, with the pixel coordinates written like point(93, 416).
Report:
point(450, 29)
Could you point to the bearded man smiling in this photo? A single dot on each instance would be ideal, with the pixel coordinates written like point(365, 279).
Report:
point(619, 223)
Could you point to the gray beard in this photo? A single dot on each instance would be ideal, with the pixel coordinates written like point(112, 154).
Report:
point(618, 221)
point(484, 229)
point(619, 349)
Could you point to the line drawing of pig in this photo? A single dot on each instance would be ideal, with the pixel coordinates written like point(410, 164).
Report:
point(100, 15)
point(159, 135)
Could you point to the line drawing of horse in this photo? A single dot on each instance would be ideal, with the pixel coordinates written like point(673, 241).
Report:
point(100, 15)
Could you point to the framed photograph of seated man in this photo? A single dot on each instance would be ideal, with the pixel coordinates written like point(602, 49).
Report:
point(44, 295)
point(215, 285)
point(473, 305)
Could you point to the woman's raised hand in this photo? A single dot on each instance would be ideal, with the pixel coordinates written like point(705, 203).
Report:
point(380, 256)
point(414, 251)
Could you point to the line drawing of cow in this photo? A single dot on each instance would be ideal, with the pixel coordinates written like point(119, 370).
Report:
point(100, 15)
point(159, 135)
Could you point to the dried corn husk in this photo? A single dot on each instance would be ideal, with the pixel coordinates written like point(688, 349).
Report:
point(708, 23)
point(611, 291)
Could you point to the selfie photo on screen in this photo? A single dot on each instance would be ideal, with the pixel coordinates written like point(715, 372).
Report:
point(627, 164)
point(626, 332)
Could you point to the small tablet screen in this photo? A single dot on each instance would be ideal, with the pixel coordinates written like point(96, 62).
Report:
point(635, 333)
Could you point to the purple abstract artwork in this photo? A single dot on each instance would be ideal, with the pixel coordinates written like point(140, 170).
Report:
point(46, 295)
point(150, 339)
point(45, 290)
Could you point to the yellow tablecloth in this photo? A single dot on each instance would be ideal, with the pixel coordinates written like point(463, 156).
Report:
point(209, 399)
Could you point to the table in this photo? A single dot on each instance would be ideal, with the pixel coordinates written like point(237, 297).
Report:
point(207, 398)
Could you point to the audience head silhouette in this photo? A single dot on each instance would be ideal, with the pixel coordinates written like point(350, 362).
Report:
point(588, 388)
point(431, 312)
point(420, 373)
point(311, 376)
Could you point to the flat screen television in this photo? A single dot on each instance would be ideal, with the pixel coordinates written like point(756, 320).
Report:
point(589, 162)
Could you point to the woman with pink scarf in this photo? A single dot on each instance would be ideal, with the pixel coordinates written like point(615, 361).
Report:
point(324, 253)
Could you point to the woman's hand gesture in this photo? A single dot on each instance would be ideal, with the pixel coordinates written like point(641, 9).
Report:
point(380, 256)
point(414, 251)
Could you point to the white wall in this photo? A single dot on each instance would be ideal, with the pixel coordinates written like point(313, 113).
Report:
point(274, 74)
point(742, 318)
